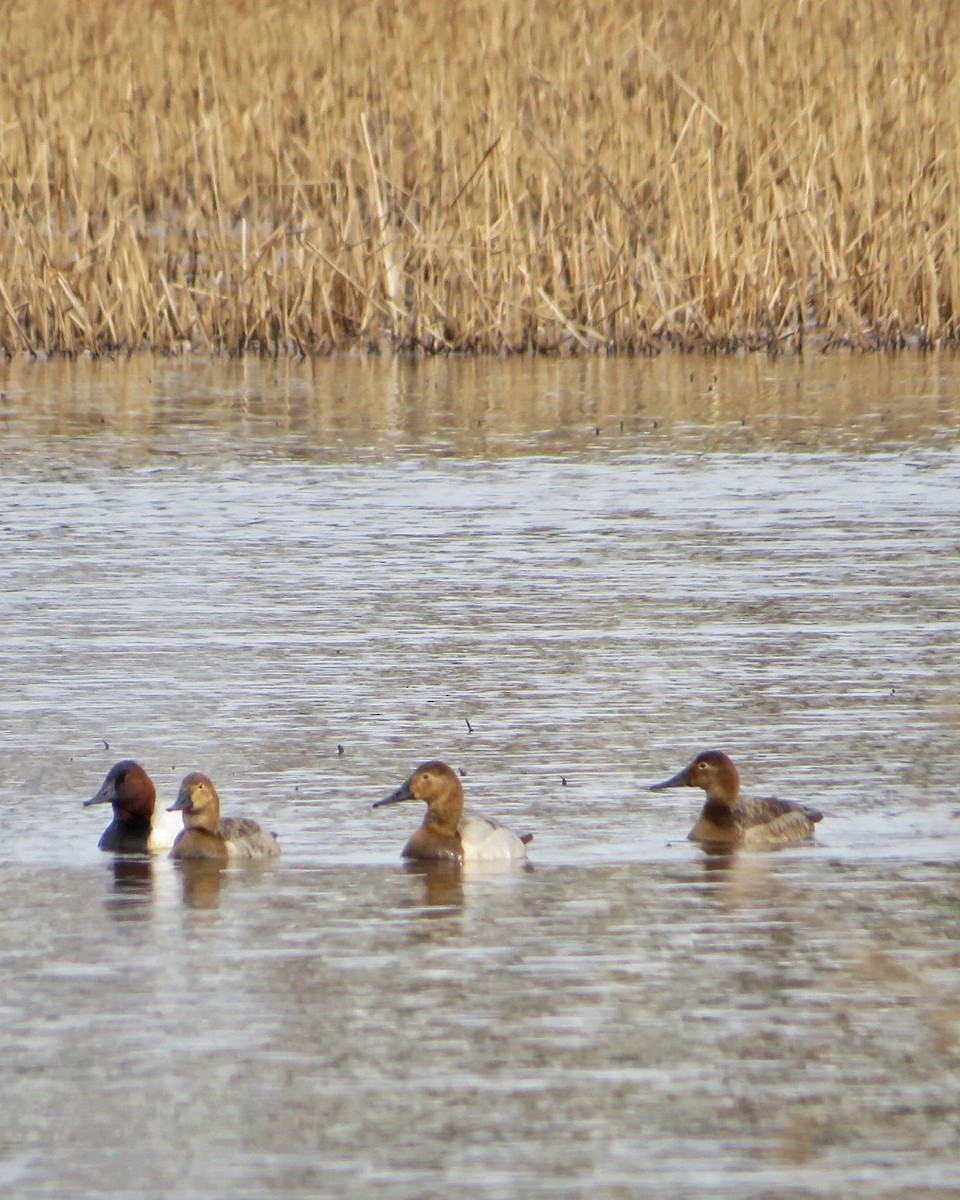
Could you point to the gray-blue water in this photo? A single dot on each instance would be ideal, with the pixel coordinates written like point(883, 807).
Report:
point(564, 578)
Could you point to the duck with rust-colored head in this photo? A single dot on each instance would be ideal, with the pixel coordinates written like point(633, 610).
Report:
point(138, 826)
point(207, 835)
point(445, 832)
point(729, 819)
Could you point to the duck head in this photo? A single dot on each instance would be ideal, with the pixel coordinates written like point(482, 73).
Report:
point(713, 771)
point(436, 785)
point(129, 789)
point(199, 803)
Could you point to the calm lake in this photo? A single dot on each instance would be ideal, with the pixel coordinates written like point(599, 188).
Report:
point(565, 578)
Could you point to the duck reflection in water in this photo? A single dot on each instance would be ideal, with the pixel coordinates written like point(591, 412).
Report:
point(200, 881)
point(442, 882)
point(131, 895)
point(734, 880)
point(718, 863)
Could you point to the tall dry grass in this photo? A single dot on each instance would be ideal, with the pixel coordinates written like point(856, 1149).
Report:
point(552, 174)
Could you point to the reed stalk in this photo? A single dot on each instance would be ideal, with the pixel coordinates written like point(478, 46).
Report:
point(570, 177)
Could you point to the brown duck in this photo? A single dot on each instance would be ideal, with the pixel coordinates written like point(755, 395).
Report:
point(729, 819)
point(445, 833)
point(206, 834)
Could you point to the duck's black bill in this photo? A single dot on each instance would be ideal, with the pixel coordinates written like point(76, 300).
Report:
point(678, 780)
point(402, 793)
point(181, 804)
point(104, 796)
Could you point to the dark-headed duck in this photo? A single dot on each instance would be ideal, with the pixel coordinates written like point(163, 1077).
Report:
point(138, 826)
point(206, 834)
point(729, 819)
point(445, 832)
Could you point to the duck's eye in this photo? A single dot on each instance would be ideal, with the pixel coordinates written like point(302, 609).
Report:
point(701, 766)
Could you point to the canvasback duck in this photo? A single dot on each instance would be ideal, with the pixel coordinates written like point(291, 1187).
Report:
point(729, 819)
point(206, 834)
point(138, 826)
point(445, 832)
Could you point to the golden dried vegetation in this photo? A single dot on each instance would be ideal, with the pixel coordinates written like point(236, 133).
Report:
point(551, 175)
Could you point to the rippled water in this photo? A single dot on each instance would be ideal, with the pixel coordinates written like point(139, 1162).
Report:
point(565, 578)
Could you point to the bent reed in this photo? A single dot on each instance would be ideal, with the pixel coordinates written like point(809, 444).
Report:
point(522, 175)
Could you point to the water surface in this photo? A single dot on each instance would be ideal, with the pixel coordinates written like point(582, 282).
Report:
point(565, 578)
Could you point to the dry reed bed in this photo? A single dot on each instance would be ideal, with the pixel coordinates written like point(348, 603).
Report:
point(568, 175)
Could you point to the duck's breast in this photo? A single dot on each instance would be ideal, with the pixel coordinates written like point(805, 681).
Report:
point(483, 839)
point(164, 827)
point(199, 845)
point(120, 838)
